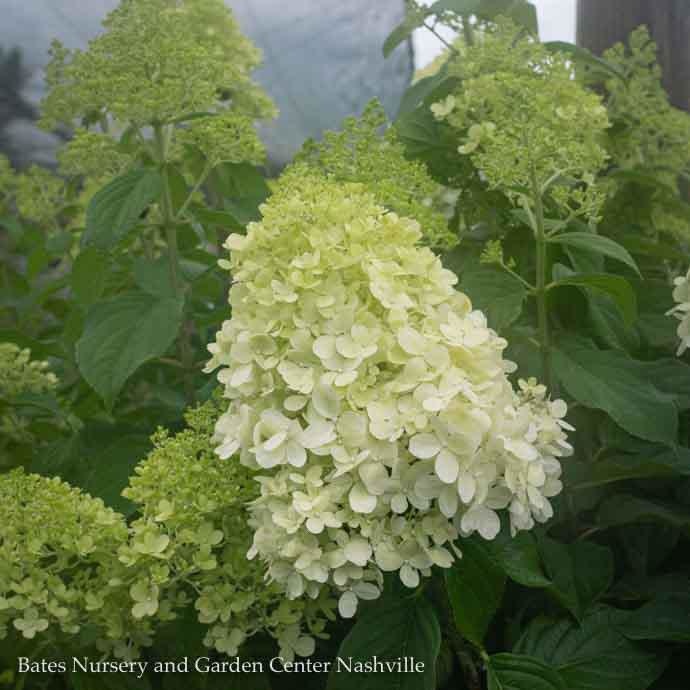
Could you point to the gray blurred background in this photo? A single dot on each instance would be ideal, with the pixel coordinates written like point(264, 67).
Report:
point(322, 61)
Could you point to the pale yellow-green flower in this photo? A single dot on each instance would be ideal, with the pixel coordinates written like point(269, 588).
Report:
point(527, 125)
point(371, 398)
point(158, 60)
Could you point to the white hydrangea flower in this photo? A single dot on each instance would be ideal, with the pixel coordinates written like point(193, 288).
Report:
point(681, 294)
point(372, 398)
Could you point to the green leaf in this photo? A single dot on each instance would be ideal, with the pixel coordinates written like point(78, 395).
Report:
point(580, 572)
point(522, 12)
point(88, 276)
point(108, 474)
point(122, 333)
point(519, 558)
point(615, 286)
point(498, 294)
point(391, 627)
point(401, 33)
point(116, 209)
point(422, 89)
point(420, 132)
point(243, 189)
point(584, 57)
point(475, 587)
point(611, 381)
point(623, 509)
point(657, 462)
point(598, 244)
point(521, 672)
point(646, 248)
point(594, 655)
point(153, 276)
point(665, 618)
point(220, 219)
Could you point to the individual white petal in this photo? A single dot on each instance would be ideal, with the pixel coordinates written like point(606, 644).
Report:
point(326, 401)
point(387, 558)
point(318, 434)
point(361, 501)
point(375, 477)
point(448, 501)
point(367, 591)
point(294, 403)
point(305, 646)
point(424, 446)
point(399, 503)
point(347, 604)
point(296, 455)
point(324, 347)
point(446, 466)
point(358, 551)
point(523, 450)
point(482, 520)
point(467, 487)
point(409, 576)
point(314, 525)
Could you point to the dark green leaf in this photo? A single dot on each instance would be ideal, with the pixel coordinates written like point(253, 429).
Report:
point(521, 672)
point(154, 277)
point(580, 572)
point(420, 132)
point(594, 655)
point(519, 558)
point(390, 628)
point(598, 244)
point(108, 473)
point(657, 462)
point(88, 276)
point(496, 293)
point(475, 587)
point(623, 509)
point(665, 618)
point(116, 209)
point(208, 216)
point(646, 248)
point(585, 57)
point(615, 286)
point(122, 333)
point(422, 89)
point(243, 189)
point(610, 381)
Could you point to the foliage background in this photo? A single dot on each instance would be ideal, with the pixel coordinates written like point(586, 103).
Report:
point(118, 289)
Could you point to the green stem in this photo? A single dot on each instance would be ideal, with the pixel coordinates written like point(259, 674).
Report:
point(541, 287)
point(170, 225)
point(167, 208)
point(197, 186)
point(467, 31)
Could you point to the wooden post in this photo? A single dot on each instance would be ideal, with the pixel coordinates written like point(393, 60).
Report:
point(601, 23)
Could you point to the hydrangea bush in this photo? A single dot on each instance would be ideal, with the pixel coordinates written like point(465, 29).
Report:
point(424, 318)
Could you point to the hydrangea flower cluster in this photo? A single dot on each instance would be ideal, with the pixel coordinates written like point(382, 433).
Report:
point(524, 121)
point(648, 132)
point(157, 61)
point(189, 547)
point(368, 151)
point(681, 294)
point(19, 374)
point(57, 559)
point(371, 397)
